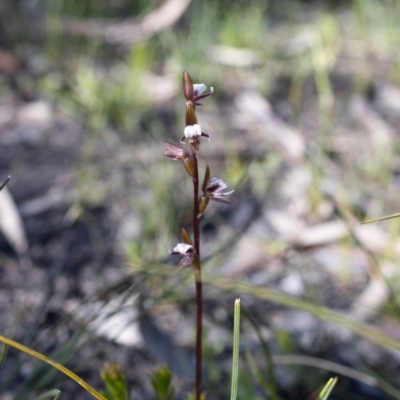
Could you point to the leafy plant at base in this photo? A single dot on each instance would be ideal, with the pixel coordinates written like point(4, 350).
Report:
point(115, 381)
point(161, 382)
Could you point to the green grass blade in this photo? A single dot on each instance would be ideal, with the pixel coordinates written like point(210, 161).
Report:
point(235, 357)
point(284, 299)
point(326, 391)
point(54, 364)
point(335, 368)
point(55, 392)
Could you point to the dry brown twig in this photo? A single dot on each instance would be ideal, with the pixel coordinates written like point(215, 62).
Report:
point(132, 30)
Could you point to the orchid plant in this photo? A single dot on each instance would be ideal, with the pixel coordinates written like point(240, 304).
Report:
point(212, 189)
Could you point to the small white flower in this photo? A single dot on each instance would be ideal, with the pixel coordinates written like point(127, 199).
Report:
point(187, 252)
point(214, 190)
point(192, 131)
point(199, 88)
point(182, 248)
point(217, 183)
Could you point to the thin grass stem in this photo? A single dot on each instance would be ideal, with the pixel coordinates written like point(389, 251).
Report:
point(235, 356)
point(54, 364)
point(326, 391)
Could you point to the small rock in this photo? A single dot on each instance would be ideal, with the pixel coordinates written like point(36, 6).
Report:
point(37, 113)
point(292, 284)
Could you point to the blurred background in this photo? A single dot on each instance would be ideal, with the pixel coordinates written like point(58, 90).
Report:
point(305, 127)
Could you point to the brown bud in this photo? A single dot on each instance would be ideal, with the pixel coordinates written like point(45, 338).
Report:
point(189, 166)
point(186, 238)
point(203, 204)
point(206, 179)
point(187, 86)
point(190, 116)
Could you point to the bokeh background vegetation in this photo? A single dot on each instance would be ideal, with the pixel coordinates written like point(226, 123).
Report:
point(305, 127)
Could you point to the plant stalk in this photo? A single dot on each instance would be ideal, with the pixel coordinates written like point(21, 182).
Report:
point(197, 275)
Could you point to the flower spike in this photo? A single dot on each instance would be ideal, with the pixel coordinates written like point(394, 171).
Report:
point(189, 250)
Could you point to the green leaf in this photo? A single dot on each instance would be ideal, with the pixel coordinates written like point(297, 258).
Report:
point(161, 381)
point(115, 382)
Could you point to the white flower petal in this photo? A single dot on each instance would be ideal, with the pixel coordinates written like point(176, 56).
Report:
point(198, 89)
point(217, 182)
point(182, 248)
point(192, 131)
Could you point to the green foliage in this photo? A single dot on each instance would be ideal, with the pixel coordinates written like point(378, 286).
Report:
point(161, 381)
point(54, 364)
point(115, 381)
point(244, 26)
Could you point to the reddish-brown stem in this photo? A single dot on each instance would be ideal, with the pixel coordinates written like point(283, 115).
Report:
point(197, 275)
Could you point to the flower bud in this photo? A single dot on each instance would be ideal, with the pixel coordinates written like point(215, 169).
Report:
point(187, 86)
point(189, 166)
point(206, 179)
point(203, 202)
point(186, 237)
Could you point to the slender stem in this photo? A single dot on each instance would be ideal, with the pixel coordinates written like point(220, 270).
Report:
point(197, 274)
point(199, 330)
